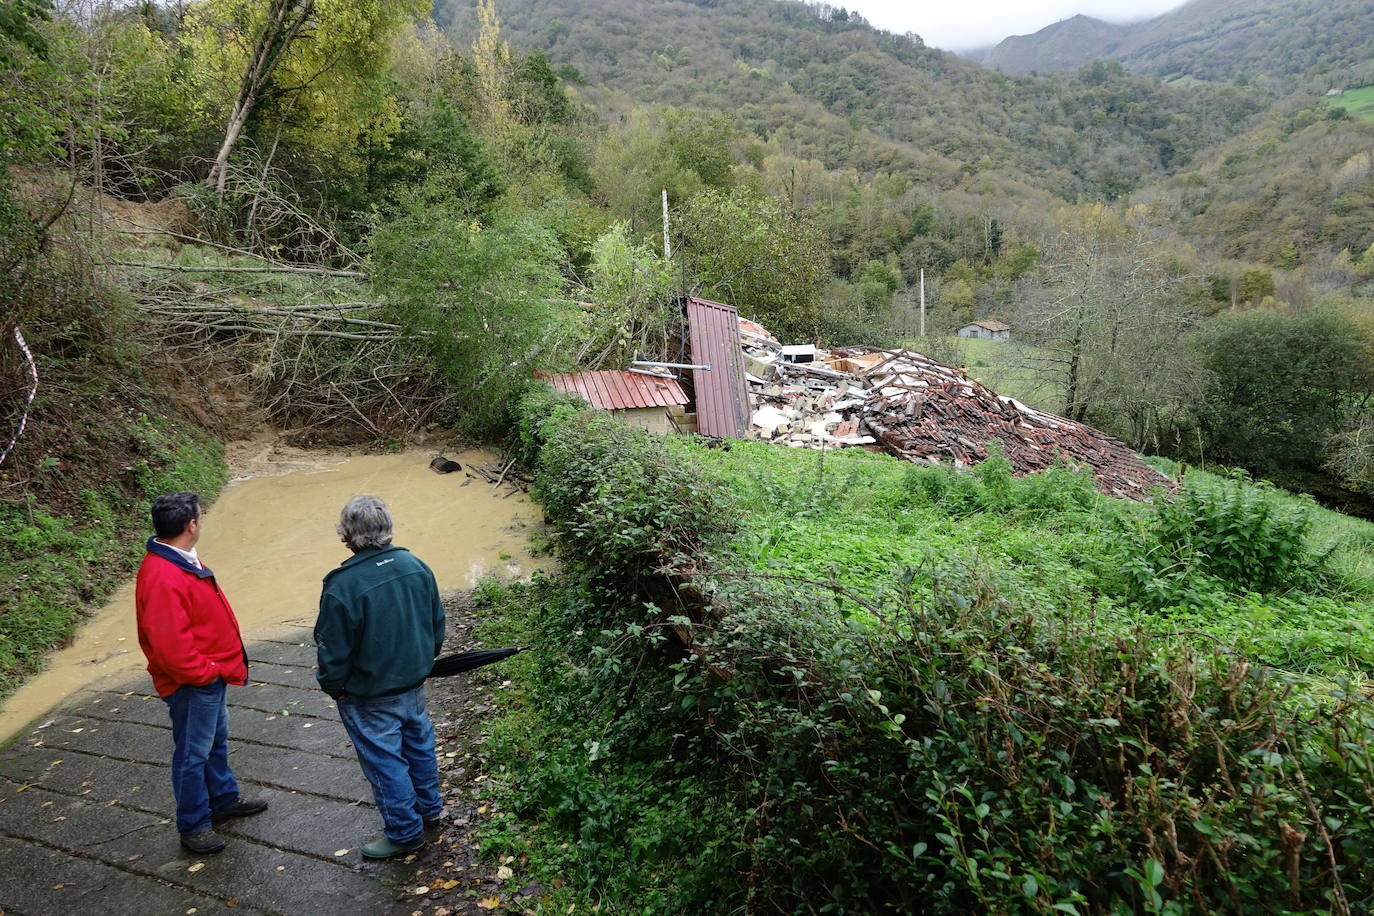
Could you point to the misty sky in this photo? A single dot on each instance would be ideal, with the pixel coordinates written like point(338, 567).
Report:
point(960, 24)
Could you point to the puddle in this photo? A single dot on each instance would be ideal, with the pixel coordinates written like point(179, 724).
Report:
point(270, 539)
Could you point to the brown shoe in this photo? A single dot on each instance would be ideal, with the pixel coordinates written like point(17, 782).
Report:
point(242, 807)
point(203, 842)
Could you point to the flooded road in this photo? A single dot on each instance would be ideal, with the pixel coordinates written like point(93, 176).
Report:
point(270, 539)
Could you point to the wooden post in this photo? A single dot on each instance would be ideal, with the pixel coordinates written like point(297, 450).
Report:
point(923, 302)
point(667, 246)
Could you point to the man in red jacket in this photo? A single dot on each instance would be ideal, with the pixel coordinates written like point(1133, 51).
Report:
point(191, 638)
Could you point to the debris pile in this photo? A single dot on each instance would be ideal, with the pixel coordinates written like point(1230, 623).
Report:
point(516, 480)
point(800, 399)
point(923, 410)
point(910, 405)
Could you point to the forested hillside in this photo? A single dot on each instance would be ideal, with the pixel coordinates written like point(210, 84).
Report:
point(557, 125)
point(913, 159)
point(847, 95)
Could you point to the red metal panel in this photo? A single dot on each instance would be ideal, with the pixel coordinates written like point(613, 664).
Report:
point(629, 389)
point(622, 392)
point(667, 392)
point(699, 318)
point(662, 393)
point(595, 396)
point(651, 391)
point(616, 390)
point(602, 397)
point(722, 396)
point(579, 388)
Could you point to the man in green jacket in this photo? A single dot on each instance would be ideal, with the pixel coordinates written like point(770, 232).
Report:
point(381, 624)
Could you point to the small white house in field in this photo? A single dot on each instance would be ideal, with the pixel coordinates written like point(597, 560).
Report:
point(986, 329)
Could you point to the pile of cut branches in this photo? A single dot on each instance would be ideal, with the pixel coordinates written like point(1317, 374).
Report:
point(316, 351)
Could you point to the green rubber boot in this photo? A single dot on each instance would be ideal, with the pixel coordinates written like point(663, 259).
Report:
point(384, 848)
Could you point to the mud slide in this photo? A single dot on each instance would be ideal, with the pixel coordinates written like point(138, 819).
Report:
point(270, 539)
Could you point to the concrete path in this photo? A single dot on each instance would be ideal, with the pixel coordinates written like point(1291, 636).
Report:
point(86, 807)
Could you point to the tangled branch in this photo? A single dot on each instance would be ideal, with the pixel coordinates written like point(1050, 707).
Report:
point(326, 361)
point(32, 392)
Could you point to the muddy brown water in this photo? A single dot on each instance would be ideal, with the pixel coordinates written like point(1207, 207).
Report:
point(270, 539)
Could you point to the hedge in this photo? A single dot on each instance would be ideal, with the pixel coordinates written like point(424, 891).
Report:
point(708, 743)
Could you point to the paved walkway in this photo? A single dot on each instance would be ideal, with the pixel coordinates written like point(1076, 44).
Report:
point(86, 807)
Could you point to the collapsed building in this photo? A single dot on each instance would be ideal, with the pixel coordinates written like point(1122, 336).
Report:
point(743, 383)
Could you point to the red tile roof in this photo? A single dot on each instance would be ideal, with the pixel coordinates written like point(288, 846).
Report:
point(923, 410)
point(615, 389)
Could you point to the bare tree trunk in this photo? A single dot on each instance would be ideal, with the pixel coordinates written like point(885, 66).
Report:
point(285, 21)
point(1071, 406)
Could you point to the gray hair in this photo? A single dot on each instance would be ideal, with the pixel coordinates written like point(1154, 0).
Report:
point(364, 523)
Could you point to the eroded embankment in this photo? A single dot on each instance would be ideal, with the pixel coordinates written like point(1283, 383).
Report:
point(270, 539)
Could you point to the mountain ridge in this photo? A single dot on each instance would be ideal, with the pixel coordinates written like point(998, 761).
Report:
point(1209, 40)
point(1063, 45)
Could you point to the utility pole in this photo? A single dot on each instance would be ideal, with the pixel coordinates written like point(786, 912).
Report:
point(667, 247)
point(923, 302)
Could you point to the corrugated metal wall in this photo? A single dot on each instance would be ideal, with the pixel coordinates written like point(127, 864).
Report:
point(722, 396)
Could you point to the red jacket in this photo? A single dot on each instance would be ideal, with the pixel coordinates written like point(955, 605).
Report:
point(185, 625)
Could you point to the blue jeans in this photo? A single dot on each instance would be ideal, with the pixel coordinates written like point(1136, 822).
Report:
point(395, 744)
point(201, 779)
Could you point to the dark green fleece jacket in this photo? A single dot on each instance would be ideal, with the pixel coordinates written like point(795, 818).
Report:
point(381, 624)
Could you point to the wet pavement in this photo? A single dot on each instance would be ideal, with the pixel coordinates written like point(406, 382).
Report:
point(86, 807)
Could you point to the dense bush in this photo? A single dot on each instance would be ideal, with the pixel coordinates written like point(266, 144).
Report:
point(623, 505)
point(76, 531)
point(1282, 386)
point(952, 751)
point(1214, 537)
point(992, 487)
point(481, 302)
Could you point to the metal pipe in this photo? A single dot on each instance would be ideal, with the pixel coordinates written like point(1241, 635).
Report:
point(645, 362)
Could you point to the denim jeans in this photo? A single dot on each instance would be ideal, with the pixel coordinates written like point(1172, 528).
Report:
point(201, 779)
point(395, 744)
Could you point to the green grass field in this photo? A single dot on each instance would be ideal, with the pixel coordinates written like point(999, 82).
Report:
point(1359, 102)
point(860, 520)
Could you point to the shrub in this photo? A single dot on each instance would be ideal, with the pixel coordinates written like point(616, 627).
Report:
point(992, 487)
point(954, 752)
point(67, 551)
point(1212, 537)
point(538, 404)
point(974, 757)
point(622, 504)
point(482, 302)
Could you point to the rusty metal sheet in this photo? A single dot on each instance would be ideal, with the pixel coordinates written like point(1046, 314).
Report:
point(614, 389)
point(721, 393)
